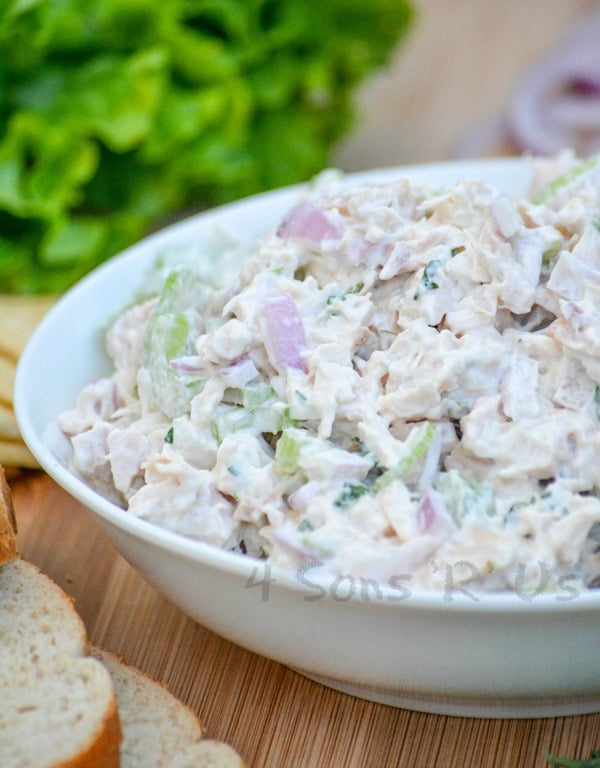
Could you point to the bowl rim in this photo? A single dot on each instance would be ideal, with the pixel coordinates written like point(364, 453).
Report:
point(200, 552)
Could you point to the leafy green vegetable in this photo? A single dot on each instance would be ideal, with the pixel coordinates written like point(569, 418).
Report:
point(564, 762)
point(115, 116)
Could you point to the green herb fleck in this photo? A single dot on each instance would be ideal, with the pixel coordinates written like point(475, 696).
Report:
point(350, 493)
point(428, 283)
point(169, 436)
point(342, 295)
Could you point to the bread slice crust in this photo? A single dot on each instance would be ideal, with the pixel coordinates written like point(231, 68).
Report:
point(8, 521)
point(160, 731)
point(45, 657)
point(57, 703)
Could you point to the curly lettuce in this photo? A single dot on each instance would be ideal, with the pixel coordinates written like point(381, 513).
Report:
point(115, 117)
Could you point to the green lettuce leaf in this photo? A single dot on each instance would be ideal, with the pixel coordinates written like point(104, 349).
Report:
point(117, 116)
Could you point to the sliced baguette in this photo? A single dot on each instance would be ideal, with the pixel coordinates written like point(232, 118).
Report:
point(57, 703)
point(61, 707)
point(8, 522)
point(159, 731)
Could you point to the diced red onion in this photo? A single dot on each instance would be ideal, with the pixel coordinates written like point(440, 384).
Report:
point(545, 116)
point(433, 517)
point(308, 222)
point(556, 105)
point(585, 86)
point(189, 365)
point(239, 373)
point(300, 498)
point(284, 336)
point(572, 113)
point(427, 510)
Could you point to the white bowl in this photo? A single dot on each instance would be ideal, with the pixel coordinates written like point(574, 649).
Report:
point(490, 655)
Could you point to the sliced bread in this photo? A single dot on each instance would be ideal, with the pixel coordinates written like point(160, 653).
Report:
point(159, 731)
point(57, 704)
point(62, 707)
point(8, 523)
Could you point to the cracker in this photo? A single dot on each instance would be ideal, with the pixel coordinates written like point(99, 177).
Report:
point(14, 453)
point(7, 380)
point(9, 429)
point(19, 315)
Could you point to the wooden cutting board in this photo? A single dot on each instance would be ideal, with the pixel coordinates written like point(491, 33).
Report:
point(270, 714)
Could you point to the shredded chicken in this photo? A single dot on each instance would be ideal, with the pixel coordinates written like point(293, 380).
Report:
point(397, 378)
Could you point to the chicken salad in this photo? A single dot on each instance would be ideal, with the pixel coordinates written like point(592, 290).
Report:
point(396, 373)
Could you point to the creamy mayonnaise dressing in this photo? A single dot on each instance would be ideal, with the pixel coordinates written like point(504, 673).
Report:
point(398, 377)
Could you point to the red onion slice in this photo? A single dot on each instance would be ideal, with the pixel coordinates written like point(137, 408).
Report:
point(284, 336)
point(308, 222)
point(555, 106)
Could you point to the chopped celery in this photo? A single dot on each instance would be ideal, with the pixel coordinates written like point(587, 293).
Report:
point(179, 291)
point(256, 395)
point(464, 496)
point(285, 420)
point(424, 436)
point(231, 418)
point(289, 447)
point(167, 338)
point(287, 452)
point(546, 192)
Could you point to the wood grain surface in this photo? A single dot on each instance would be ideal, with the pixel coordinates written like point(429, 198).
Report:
point(456, 69)
point(270, 714)
point(455, 73)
